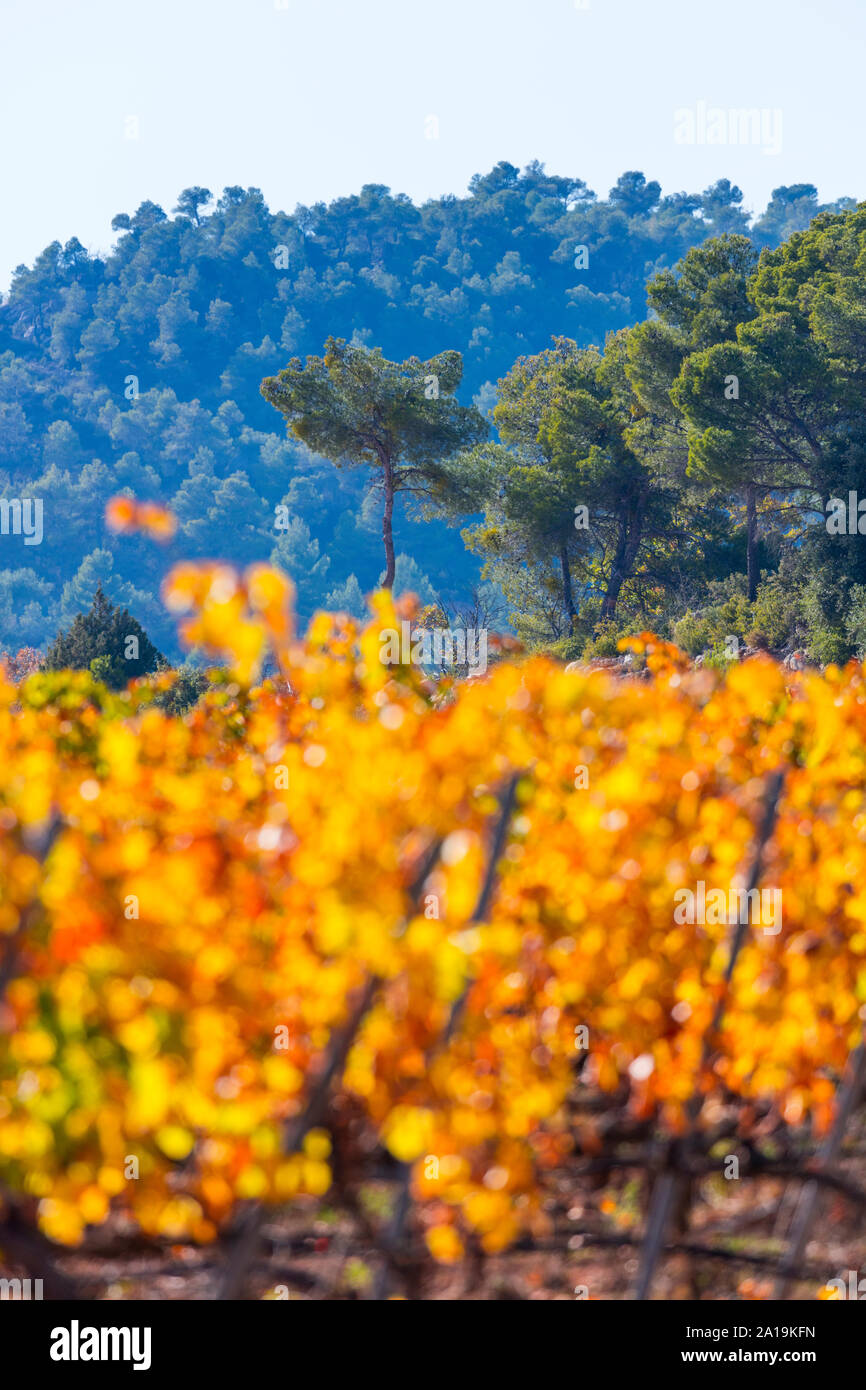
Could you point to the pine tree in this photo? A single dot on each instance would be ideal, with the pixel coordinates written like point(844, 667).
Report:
point(107, 641)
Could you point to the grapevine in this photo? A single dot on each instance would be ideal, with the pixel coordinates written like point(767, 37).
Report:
point(204, 915)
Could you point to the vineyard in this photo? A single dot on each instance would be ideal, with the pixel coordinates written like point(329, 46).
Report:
point(353, 966)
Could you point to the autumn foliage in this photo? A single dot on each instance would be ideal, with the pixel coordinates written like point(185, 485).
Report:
point(192, 907)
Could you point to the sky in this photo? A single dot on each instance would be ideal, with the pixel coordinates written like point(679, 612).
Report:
point(106, 103)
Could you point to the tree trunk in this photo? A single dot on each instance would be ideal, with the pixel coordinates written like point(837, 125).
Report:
point(627, 547)
point(751, 542)
point(567, 592)
point(387, 520)
point(614, 584)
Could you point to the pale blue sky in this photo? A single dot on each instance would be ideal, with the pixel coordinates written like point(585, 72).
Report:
point(310, 99)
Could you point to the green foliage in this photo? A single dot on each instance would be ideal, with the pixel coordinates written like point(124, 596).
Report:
point(720, 658)
point(855, 623)
point(777, 611)
point(826, 614)
point(733, 618)
point(773, 622)
point(108, 671)
point(692, 634)
point(140, 370)
point(297, 552)
point(187, 688)
point(567, 648)
point(727, 613)
point(399, 421)
point(108, 642)
point(348, 598)
point(605, 642)
point(565, 488)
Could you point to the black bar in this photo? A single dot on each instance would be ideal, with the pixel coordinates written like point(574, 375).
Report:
point(646, 1339)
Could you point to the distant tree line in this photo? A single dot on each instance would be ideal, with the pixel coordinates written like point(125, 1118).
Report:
point(140, 371)
point(703, 475)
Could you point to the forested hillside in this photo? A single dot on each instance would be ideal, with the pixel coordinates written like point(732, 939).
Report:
point(141, 371)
